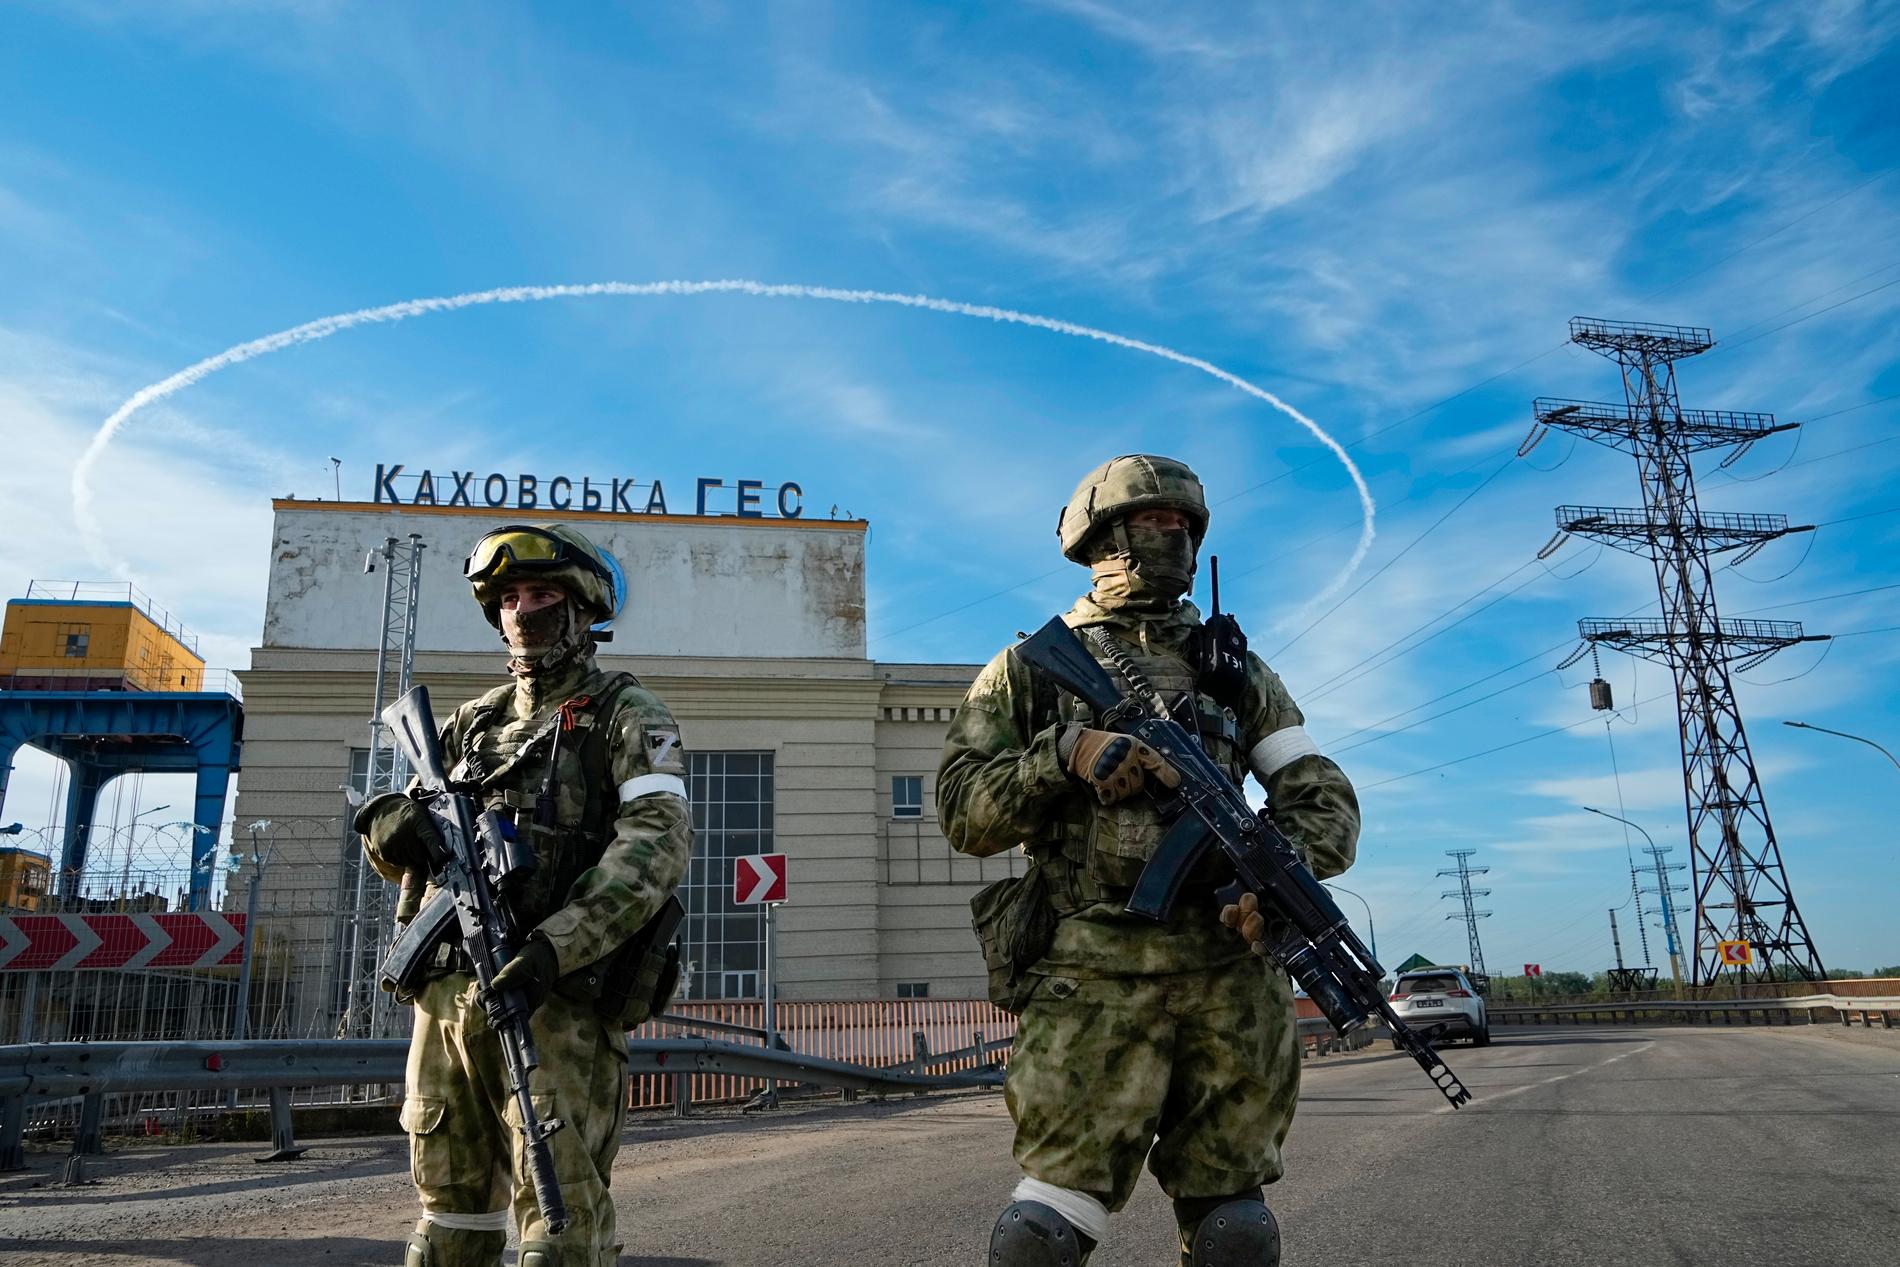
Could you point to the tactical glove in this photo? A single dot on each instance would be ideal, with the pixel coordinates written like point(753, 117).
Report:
point(1245, 918)
point(397, 835)
point(1116, 766)
point(532, 972)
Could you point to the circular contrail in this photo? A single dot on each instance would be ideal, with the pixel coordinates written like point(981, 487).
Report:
point(324, 327)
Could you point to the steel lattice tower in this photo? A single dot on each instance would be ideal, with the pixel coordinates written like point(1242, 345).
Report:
point(1741, 887)
point(1466, 894)
point(366, 915)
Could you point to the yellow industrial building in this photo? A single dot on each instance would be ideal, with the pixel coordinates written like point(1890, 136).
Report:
point(23, 878)
point(65, 636)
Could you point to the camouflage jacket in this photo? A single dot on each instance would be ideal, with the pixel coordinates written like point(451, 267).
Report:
point(1001, 784)
point(591, 889)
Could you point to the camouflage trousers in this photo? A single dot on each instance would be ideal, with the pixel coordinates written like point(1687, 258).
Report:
point(464, 1146)
point(1197, 1072)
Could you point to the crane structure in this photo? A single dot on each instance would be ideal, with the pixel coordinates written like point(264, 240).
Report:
point(1741, 886)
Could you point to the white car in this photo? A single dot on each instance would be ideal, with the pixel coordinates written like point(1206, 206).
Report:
point(1442, 997)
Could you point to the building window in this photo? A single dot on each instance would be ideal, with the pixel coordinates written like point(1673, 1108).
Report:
point(907, 796)
point(723, 954)
point(359, 771)
point(77, 641)
point(360, 777)
point(913, 989)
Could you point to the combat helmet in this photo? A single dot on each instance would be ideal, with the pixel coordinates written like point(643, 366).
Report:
point(553, 552)
point(1123, 485)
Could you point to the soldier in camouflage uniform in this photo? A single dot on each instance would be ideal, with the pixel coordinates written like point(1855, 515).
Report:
point(1170, 1042)
point(606, 754)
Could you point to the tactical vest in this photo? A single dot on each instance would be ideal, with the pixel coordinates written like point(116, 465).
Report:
point(564, 755)
point(1095, 852)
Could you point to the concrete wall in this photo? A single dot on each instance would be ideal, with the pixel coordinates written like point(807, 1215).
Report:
point(699, 587)
point(753, 634)
point(925, 887)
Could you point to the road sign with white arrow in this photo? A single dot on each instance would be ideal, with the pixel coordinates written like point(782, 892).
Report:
point(758, 878)
point(177, 939)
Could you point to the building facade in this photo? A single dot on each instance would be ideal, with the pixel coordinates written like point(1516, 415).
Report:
point(753, 632)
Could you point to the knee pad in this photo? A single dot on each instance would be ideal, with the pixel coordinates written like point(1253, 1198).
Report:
point(1031, 1234)
point(433, 1245)
point(1238, 1232)
point(538, 1254)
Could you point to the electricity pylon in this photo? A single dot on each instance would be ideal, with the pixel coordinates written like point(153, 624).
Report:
point(1466, 894)
point(1741, 886)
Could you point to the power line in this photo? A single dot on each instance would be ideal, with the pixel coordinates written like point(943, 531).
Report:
point(1386, 566)
point(1515, 743)
point(1537, 655)
point(1872, 514)
point(1823, 598)
point(1327, 687)
point(1862, 633)
point(1503, 690)
point(1817, 312)
point(1743, 250)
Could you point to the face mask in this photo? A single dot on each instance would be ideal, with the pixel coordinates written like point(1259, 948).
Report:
point(543, 638)
point(1152, 574)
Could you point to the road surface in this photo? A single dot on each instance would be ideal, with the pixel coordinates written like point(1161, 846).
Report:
point(1609, 1146)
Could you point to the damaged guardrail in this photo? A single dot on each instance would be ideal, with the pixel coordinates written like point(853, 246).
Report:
point(92, 1071)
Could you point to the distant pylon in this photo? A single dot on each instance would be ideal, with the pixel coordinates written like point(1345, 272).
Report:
point(1740, 884)
point(1664, 890)
point(1466, 895)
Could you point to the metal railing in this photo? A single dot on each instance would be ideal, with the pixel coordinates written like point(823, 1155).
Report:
point(78, 1083)
point(1811, 1009)
point(89, 1073)
point(111, 592)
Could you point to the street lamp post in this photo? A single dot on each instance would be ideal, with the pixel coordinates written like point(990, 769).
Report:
point(1662, 884)
point(1372, 934)
point(1801, 725)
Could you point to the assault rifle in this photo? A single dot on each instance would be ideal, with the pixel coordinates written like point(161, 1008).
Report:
point(1306, 933)
point(476, 866)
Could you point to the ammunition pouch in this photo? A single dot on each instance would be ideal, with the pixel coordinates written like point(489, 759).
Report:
point(1015, 924)
point(636, 981)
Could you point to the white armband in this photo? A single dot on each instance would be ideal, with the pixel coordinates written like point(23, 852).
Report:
point(652, 785)
point(1280, 750)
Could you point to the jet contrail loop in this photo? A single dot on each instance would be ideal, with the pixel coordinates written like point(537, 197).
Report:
point(323, 327)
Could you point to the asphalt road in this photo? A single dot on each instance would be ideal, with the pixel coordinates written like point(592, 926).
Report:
point(1611, 1146)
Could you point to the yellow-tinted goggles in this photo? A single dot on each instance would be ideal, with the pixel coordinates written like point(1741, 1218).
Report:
point(526, 548)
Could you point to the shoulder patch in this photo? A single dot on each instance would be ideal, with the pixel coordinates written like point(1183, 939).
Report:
point(662, 747)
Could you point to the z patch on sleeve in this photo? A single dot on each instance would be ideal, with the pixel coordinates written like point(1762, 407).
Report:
point(662, 747)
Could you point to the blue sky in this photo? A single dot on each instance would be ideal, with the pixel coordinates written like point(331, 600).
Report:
point(1386, 217)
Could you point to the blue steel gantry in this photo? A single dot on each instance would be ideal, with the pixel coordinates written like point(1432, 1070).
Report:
point(103, 734)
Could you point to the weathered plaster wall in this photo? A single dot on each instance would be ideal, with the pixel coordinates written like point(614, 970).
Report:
point(705, 587)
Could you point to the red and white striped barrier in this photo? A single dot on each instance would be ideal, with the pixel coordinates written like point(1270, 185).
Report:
point(57, 943)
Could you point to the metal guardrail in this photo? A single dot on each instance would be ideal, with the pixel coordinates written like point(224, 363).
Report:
point(1811, 1008)
point(91, 1071)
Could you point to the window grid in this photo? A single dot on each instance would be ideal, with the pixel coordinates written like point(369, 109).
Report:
point(907, 796)
point(723, 951)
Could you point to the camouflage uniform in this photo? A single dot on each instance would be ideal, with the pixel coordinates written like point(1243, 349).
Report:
point(1136, 1033)
point(590, 892)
